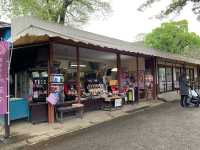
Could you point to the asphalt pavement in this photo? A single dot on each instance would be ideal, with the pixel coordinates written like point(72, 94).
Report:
point(165, 127)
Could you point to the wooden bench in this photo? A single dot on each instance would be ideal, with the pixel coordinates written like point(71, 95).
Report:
point(78, 108)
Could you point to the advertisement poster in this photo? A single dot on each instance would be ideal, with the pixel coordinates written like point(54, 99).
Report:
point(53, 98)
point(4, 58)
point(141, 79)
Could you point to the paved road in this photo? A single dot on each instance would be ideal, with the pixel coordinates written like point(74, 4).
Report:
point(166, 127)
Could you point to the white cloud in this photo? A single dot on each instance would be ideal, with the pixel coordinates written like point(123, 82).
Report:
point(126, 22)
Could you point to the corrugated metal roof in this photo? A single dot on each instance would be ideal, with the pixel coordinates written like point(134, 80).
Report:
point(23, 26)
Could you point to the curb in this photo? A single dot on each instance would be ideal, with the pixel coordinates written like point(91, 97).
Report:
point(166, 101)
point(162, 99)
point(72, 132)
point(138, 109)
point(30, 142)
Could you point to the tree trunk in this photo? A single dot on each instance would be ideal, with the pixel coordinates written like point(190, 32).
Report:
point(66, 3)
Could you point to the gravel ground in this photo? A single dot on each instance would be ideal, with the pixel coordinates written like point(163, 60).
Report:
point(165, 127)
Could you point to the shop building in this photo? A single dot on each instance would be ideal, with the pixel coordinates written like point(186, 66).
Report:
point(87, 68)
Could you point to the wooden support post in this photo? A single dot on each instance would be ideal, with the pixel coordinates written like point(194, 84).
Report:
point(50, 64)
point(137, 65)
point(156, 65)
point(165, 77)
point(154, 78)
point(78, 74)
point(173, 84)
point(198, 76)
point(119, 70)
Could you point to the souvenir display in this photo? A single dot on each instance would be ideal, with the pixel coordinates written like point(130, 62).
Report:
point(40, 87)
point(95, 89)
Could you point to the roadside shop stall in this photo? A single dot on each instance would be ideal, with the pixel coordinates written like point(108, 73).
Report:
point(57, 68)
point(93, 77)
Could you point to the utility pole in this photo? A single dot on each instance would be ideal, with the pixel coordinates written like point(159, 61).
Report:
point(6, 116)
point(7, 125)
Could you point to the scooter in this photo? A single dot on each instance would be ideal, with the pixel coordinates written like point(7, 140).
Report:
point(192, 99)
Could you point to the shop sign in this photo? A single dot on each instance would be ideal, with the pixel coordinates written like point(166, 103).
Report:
point(118, 102)
point(4, 58)
point(53, 98)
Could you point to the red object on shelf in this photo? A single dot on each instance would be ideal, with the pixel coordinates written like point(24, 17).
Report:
point(126, 88)
point(66, 89)
point(114, 89)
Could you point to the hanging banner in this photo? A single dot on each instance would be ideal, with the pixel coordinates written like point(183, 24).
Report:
point(4, 58)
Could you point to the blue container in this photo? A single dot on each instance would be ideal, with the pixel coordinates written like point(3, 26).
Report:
point(18, 108)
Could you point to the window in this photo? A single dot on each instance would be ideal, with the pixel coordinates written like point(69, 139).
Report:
point(191, 74)
point(162, 79)
point(64, 63)
point(177, 75)
point(98, 72)
point(165, 79)
point(128, 72)
point(169, 78)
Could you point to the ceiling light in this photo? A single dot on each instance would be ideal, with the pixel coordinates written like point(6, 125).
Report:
point(114, 69)
point(77, 65)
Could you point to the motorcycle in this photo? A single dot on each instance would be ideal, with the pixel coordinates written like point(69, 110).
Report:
point(192, 99)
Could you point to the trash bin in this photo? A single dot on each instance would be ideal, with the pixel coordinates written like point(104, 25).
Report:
point(136, 93)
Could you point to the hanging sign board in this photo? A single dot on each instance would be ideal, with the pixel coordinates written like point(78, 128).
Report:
point(53, 98)
point(4, 58)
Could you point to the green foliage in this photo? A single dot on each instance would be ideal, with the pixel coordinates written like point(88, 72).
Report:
point(44, 9)
point(5, 9)
point(173, 37)
point(70, 12)
point(174, 7)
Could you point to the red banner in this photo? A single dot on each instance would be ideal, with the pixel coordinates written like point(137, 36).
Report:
point(4, 59)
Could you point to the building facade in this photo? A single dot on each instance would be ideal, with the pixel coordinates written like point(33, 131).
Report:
point(89, 67)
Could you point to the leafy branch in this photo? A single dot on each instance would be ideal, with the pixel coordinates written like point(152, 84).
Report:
point(174, 7)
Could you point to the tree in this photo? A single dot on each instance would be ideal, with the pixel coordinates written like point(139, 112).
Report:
point(173, 37)
point(71, 12)
point(175, 7)
point(5, 9)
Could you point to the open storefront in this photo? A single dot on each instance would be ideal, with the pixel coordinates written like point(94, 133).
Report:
point(81, 67)
point(93, 76)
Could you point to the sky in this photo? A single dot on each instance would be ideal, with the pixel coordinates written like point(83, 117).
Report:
point(126, 22)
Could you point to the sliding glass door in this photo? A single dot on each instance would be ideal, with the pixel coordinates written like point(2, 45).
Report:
point(177, 75)
point(165, 77)
point(162, 79)
point(169, 78)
